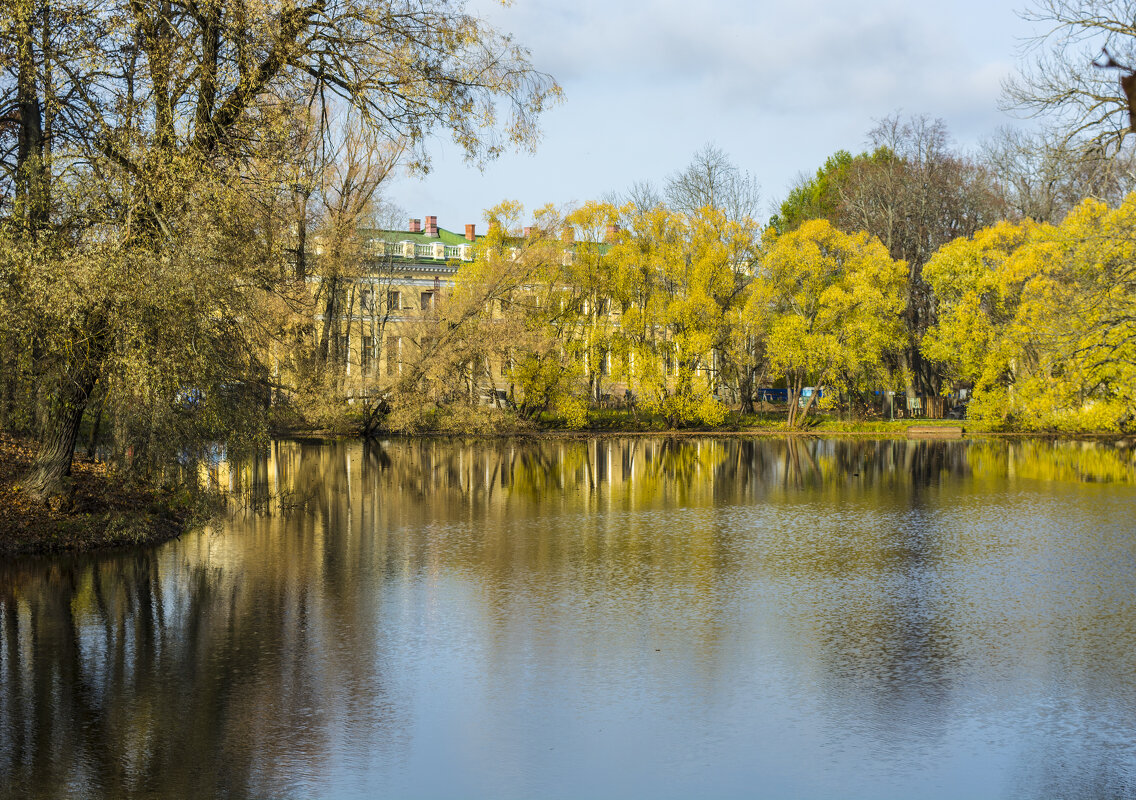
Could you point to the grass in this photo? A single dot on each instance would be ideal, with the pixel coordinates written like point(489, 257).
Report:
point(631, 421)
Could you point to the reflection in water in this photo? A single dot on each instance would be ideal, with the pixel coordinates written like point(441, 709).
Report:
point(608, 617)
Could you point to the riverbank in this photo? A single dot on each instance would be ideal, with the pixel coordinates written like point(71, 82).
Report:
point(494, 423)
point(104, 512)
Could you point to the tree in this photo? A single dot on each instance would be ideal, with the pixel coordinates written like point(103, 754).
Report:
point(830, 302)
point(347, 196)
point(1087, 105)
point(915, 195)
point(818, 197)
point(173, 134)
point(678, 280)
point(1041, 176)
point(1040, 319)
point(712, 179)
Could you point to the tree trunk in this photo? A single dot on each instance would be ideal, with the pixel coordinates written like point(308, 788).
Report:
point(302, 236)
point(331, 286)
point(793, 390)
point(49, 479)
point(31, 182)
point(813, 397)
point(93, 439)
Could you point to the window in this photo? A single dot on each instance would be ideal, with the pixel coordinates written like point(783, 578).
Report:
point(427, 301)
point(365, 352)
point(365, 301)
point(394, 350)
point(394, 301)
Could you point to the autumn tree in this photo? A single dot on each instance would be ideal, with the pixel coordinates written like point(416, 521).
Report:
point(830, 303)
point(915, 196)
point(507, 325)
point(170, 145)
point(913, 193)
point(1040, 319)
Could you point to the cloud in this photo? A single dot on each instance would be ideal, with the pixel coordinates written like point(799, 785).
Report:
point(780, 86)
point(811, 56)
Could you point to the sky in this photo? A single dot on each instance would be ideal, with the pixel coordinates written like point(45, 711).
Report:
point(779, 85)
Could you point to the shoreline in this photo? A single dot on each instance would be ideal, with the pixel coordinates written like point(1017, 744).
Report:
point(107, 515)
point(104, 513)
point(896, 432)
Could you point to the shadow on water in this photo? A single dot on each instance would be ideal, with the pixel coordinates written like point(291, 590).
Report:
point(901, 591)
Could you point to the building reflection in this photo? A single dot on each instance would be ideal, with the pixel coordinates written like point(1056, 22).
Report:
point(276, 641)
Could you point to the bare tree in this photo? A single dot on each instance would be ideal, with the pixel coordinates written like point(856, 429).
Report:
point(347, 195)
point(643, 195)
point(712, 179)
point(1058, 79)
point(1042, 176)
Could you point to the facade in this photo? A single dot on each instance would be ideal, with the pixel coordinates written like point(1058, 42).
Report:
point(404, 274)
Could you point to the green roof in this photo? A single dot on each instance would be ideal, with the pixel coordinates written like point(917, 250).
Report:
point(444, 236)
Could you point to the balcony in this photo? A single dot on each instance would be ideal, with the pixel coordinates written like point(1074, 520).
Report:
point(435, 251)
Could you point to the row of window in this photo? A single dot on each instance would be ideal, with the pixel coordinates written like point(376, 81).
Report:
point(395, 301)
point(427, 300)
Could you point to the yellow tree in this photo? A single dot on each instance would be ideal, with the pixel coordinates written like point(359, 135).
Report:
point(1042, 320)
point(589, 294)
point(832, 304)
point(678, 282)
point(978, 303)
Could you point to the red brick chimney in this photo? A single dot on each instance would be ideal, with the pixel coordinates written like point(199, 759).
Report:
point(415, 226)
point(471, 233)
point(612, 230)
point(528, 231)
point(432, 226)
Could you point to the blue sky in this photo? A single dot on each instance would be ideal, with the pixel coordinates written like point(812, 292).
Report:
point(777, 85)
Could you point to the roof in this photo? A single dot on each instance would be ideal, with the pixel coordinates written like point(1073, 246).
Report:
point(444, 236)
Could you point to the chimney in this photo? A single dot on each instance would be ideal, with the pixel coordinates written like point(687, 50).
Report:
point(432, 226)
point(415, 226)
point(528, 232)
point(612, 230)
point(568, 235)
point(471, 233)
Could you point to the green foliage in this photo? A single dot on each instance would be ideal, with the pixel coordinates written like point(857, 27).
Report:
point(826, 195)
point(814, 198)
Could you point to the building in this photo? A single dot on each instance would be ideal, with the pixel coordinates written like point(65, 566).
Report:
point(403, 274)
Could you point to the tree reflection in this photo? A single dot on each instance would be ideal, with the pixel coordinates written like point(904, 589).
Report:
point(126, 677)
point(252, 648)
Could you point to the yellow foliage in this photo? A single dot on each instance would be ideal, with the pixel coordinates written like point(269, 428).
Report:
point(1042, 320)
point(830, 302)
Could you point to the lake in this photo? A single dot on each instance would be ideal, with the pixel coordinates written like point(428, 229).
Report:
point(598, 618)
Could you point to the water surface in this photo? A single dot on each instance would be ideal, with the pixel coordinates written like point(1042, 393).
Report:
point(606, 618)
